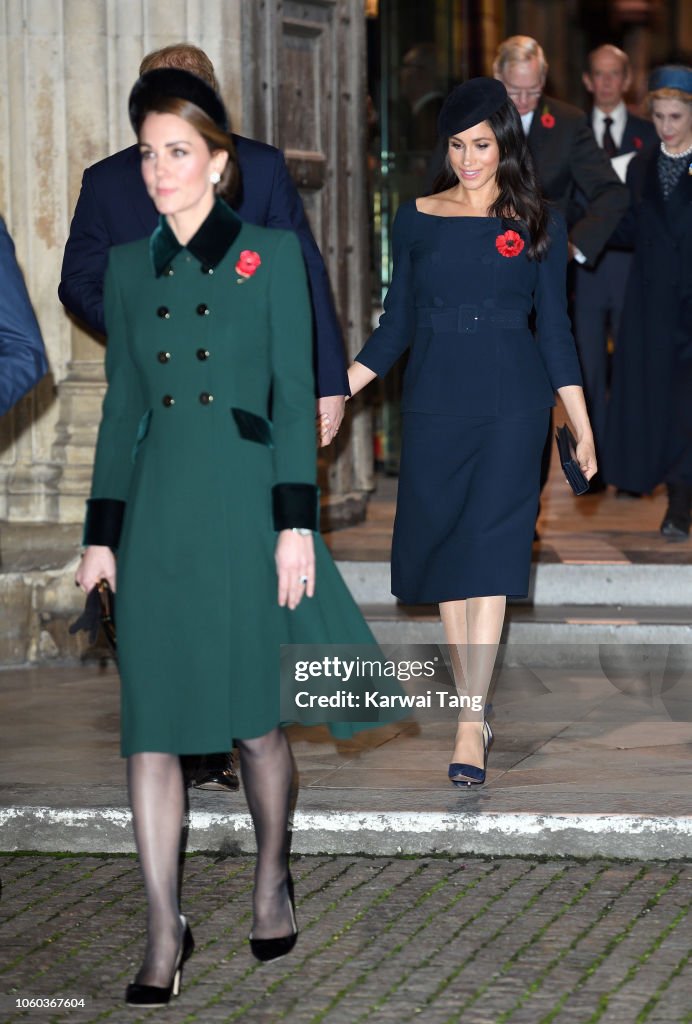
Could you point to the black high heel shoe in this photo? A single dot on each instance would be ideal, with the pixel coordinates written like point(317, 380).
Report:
point(156, 995)
point(272, 949)
point(469, 774)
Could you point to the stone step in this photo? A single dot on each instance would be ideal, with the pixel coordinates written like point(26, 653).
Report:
point(548, 635)
point(609, 603)
point(659, 585)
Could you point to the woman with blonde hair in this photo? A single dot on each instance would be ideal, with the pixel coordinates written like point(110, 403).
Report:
point(649, 437)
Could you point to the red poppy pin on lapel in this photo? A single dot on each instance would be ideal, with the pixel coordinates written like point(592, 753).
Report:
point(547, 119)
point(247, 265)
point(637, 142)
point(509, 244)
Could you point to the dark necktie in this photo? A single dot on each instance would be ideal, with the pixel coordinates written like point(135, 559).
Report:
point(608, 141)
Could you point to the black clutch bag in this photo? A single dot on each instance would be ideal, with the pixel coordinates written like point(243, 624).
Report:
point(567, 446)
point(99, 613)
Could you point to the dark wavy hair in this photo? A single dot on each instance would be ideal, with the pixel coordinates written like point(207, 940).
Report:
point(519, 196)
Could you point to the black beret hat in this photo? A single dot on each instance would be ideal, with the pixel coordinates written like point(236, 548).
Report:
point(174, 83)
point(469, 104)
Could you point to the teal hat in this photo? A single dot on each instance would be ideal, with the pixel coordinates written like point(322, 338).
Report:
point(671, 76)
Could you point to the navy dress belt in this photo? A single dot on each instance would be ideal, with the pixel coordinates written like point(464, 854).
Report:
point(466, 319)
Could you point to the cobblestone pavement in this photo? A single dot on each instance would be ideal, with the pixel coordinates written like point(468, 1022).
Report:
point(439, 940)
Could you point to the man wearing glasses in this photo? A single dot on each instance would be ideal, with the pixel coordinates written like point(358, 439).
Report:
point(574, 172)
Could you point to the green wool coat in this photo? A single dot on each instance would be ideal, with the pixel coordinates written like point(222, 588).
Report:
point(192, 481)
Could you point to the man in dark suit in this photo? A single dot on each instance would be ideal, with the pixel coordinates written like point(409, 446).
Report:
point(114, 208)
point(599, 291)
point(22, 353)
point(568, 162)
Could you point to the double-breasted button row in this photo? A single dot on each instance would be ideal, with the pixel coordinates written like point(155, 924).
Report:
point(165, 313)
point(204, 399)
point(202, 354)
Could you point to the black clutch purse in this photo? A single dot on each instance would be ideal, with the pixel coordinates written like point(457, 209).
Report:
point(99, 612)
point(566, 446)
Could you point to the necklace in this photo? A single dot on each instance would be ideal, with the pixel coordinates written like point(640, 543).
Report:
point(675, 156)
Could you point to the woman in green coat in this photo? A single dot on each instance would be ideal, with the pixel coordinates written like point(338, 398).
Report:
point(210, 506)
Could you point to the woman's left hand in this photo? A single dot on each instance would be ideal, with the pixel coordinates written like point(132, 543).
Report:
point(295, 567)
point(586, 457)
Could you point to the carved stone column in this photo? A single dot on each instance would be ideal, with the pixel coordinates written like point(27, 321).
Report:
point(68, 68)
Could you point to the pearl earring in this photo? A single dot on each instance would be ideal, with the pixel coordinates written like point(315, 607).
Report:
point(215, 177)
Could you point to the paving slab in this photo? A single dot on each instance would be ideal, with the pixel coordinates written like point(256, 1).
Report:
point(438, 939)
point(581, 766)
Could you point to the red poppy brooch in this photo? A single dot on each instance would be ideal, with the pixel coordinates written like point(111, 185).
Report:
point(509, 244)
point(637, 142)
point(247, 265)
point(547, 119)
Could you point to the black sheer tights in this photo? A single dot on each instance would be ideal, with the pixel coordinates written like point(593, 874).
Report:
point(157, 798)
point(266, 766)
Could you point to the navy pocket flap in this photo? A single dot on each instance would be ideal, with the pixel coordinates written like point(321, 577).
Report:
point(252, 427)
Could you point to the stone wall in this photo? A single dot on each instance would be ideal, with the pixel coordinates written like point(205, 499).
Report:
point(67, 69)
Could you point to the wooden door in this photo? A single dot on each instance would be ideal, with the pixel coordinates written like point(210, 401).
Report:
point(306, 94)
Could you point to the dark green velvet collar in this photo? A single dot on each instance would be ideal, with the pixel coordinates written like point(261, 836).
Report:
point(209, 245)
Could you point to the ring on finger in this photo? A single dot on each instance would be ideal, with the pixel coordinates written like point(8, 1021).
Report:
point(303, 580)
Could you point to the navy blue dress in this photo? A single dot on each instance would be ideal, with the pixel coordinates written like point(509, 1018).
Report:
point(477, 390)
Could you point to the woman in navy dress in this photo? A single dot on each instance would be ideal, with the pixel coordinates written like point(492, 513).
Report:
point(471, 261)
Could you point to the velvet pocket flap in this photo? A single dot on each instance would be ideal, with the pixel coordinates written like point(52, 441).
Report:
point(142, 431)
point(252, 427)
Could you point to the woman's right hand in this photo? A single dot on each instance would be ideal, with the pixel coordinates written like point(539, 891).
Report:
point(98, 563)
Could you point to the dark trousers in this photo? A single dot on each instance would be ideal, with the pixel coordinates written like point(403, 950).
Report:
point(599, 296)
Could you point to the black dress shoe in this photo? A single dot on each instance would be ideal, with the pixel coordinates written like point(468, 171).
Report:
point(675, 529)
point(272, 949)
point(156, 995)
point(597, 485)
point(217, 773)
point(676, 521)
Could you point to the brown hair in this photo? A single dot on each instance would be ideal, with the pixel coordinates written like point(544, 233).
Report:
point(214, 137)
point(185, 56)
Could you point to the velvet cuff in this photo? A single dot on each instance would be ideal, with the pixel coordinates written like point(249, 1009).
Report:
point(104, 521)
point(295, 505)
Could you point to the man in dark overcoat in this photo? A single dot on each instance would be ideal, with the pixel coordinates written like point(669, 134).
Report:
point(574, 173)
point(599, 291)
point(113, 208)
point(22, 353)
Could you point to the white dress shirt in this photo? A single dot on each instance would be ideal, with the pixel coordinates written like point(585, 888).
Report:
point(617, 128)
point(526, 120)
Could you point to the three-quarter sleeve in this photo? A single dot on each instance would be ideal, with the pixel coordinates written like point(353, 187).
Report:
point(396, 328)
point(123, 408)
point(553, 327)
point(294, 494)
